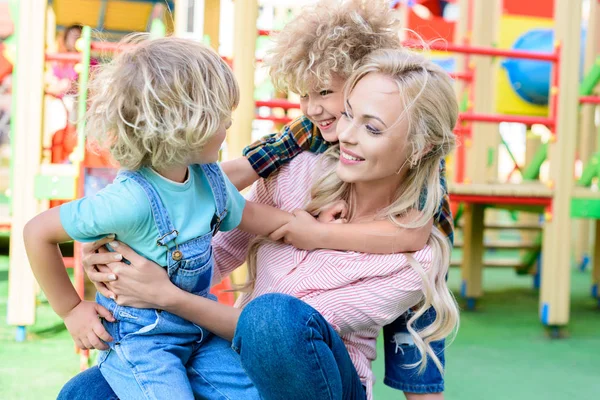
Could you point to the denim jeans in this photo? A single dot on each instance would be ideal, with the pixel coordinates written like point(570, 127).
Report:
point(400, 351)
point(216, 374)
point(292, 353)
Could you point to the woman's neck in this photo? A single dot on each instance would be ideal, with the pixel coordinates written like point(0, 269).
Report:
point(371, 197)
point(175, 174)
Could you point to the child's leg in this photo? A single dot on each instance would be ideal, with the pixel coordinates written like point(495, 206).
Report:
point(147, 359)
point(401, 351)
point(292, 353)
point(215, 372)
point(152, 374)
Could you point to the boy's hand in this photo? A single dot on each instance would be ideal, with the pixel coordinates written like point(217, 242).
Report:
point(303, 231)
point(336, 213)
point(84, 325)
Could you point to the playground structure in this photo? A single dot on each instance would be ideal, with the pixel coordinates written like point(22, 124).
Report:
point(474, 167)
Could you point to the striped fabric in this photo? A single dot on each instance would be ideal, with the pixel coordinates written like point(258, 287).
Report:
point(268, 154)
point(357, 293)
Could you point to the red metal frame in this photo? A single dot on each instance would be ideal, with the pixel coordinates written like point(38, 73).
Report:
point(589, 100)
point(482, 51)
point(497, 118)
point(507, 200)
point(64, 57)
point(277, 103)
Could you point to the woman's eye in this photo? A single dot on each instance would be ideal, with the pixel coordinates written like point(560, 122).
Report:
point(346, 115)
point(372, 129)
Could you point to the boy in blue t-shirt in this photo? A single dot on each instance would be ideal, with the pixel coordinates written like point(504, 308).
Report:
point(162, 108)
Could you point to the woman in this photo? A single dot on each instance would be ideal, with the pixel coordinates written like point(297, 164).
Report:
point(309, 321)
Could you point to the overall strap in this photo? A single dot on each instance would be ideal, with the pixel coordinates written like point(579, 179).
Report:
point(166, 230)
point(219, 188)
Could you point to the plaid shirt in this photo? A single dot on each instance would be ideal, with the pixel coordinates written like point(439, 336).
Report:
point(268, 154)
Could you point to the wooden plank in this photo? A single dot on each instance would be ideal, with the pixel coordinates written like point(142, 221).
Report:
point(556, 274)
point(494, 263)
point(525, 189)
point(505, 245)
point(482, 149)
point(244, 48)
point(28, 151)
point(472, 267)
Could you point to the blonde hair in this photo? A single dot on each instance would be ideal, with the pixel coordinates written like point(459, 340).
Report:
point(431, 111)
point(327, 38)
point(160, 101)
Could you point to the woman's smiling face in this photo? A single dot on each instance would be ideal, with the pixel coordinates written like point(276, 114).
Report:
point(373, 138)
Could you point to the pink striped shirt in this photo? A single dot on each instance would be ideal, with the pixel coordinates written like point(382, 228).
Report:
point(357, 293)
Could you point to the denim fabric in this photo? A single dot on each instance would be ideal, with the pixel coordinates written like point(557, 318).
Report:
point(292, 353)
point(400, 351)
point(156, 354)
point(214, 372)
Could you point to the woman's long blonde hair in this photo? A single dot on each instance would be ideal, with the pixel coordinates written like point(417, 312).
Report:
point(431, 111)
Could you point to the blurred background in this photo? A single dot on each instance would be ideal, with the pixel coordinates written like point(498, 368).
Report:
point(523, 182)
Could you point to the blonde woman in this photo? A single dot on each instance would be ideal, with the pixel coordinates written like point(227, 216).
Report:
point(307, 327)
point(162, 108)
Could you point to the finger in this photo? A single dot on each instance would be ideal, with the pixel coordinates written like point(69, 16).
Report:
point(95, 341)
point(339, 221)
point(127, 252)
point(279, 233)
point(91, 261)
point(104, 313)
point(101, 277)
point(86, 343)
point(105, 291)
point(93, 246)
point(101, 332)
point(78, 343)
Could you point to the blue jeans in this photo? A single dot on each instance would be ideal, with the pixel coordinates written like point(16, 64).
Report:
point(401, 351)
point(216, 373)
point(292, 353)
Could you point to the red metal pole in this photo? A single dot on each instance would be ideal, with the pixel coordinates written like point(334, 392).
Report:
point(64, 57)
point(277, 120)
point(493, 118)
point(483, 51)
point(554, 92)
point(277, 103)
point(589, 100)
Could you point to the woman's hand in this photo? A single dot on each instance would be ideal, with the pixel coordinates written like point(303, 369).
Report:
point(141, 284)
point(95, 259)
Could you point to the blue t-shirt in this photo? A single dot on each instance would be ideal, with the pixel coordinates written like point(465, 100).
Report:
point(123, 208)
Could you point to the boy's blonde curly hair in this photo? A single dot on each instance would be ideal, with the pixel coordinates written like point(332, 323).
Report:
point(328, 38)
point(160, 101)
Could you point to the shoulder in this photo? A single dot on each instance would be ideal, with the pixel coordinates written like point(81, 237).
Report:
point(291, 184)
point(124, 198)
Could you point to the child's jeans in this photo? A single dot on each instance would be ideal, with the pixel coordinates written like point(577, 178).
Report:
point(158, 355)
point(401, 351)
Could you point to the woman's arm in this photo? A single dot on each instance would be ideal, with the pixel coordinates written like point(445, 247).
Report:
point(144, 284)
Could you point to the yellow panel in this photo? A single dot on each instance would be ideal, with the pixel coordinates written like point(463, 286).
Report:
point(507, 101)
point(70, 12)
point(120, 15)
point(125, 16)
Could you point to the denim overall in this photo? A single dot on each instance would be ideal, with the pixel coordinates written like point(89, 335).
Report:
point(156, 354)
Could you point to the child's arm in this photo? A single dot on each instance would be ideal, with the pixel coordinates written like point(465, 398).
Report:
point(378, 237)
point(268, 154)
point(262, 220)
point(41, 236)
